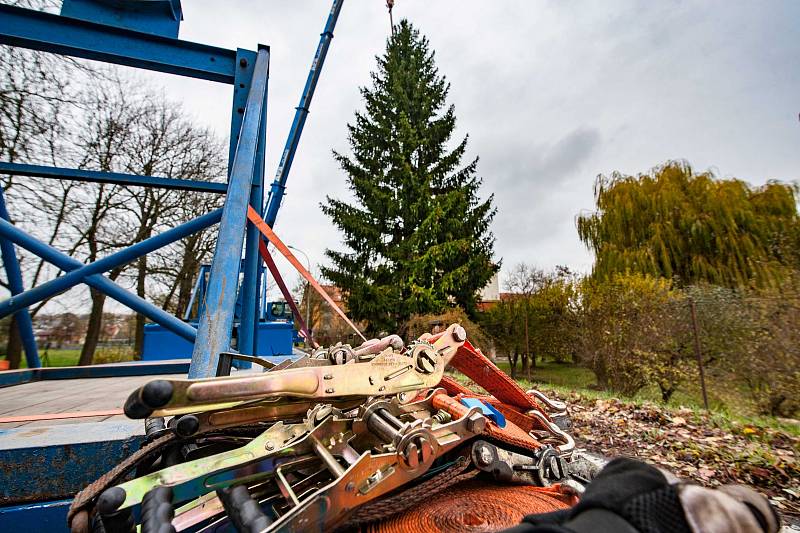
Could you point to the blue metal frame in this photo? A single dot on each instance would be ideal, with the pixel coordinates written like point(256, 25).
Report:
point(79, 275)
point(46, 32)
point(23, 319)
point(248, 72)
point(301, 112)
point(112, 370)
point(91, 40)
point(74, 174)
point(216, 322)
point(97, 281)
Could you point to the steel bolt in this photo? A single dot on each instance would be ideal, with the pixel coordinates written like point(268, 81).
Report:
point(476, 423)
point(459, 333)
point(323, 412)
point(269, 446)
point(484, 456)
point(425, 363)
point(417, 452)
point(243, 62)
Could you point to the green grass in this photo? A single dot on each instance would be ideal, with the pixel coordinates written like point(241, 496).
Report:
point(728, 406)
point(57, 357)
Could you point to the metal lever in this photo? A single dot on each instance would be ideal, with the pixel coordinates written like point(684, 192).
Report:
point(388, 373)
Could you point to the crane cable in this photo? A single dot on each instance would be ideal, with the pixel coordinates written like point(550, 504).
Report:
point(390, 5)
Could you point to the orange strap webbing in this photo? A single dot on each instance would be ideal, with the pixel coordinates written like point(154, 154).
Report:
point(265, 230)
point(475, 505)
point(276, 275)
point(511, 433)
point(479, 369)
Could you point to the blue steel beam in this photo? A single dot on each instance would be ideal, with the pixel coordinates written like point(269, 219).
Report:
point(301, 112)
point(78, 275)
point(99, 282)
point(216, 322)
point(248, 326)
point(63, 35)
point(75, 174)
point(246, 59)
point(23, 320)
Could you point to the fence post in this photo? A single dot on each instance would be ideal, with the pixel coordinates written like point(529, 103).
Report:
point(697, 352)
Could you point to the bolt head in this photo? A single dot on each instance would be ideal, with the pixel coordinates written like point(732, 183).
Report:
point(459, 333)
point(476, 423)
point(425, 363)
point(484, 456)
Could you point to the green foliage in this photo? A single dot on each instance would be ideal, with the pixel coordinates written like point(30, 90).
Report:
point(766, 358)
point(546, 303)
point(632, 333)
point(419, 324)
point(692, 227)
point(418, 234)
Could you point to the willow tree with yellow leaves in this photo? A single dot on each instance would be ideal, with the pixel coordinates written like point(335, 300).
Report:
point(692, 227)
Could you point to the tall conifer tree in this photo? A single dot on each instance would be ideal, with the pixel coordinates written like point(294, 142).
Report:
point(418, 233)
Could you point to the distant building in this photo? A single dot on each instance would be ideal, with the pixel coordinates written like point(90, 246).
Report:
point(490, 295)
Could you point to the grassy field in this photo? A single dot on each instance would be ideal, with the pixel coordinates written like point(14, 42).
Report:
point(53, 358)
point(727, 405)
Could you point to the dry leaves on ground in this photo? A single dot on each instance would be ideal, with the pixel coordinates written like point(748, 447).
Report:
point(692, 445)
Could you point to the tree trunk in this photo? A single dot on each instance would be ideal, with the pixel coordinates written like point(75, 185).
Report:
point(512, 359)
point(666, 393)
point(93, 328)
point(14, 349)
point(141, 273)
point(526, 366)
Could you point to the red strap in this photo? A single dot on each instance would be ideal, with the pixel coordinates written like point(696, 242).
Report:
point(273, 269)
point(283, 249)
point(479, 369)
point(511, 433)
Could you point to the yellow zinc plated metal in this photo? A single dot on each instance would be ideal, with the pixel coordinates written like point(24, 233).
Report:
point(370, 477)
point(387, 374)
point(200, 476)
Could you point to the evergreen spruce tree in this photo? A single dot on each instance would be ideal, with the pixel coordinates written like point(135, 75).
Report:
point(418, 233)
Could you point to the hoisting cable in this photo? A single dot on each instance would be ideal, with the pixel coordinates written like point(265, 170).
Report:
point(265, 230)
point(390, 5)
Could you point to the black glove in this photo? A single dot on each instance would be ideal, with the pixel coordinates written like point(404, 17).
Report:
point(628, 496)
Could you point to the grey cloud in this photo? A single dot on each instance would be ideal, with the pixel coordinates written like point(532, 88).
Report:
point(551, 93)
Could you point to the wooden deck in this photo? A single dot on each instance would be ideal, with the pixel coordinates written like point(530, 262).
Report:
point(60, 396)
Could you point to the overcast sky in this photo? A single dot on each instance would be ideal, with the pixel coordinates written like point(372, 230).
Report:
point(552, 93)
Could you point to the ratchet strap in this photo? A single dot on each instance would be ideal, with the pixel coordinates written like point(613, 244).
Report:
point(273, 269)
point(475, 505)
point(506, 396)
point(267, 232)
point(479, 369)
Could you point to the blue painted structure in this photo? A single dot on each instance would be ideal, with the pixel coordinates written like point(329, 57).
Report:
point(141, 35)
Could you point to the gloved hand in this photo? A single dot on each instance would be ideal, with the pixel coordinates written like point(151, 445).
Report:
point(628, 496)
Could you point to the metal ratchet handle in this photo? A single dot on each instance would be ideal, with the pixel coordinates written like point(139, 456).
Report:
point(373, 475)
point(195, 478)
point(388, 373)
point(449, 341)
point(252, 413)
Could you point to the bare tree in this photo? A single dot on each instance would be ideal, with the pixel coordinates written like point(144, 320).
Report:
point(164, 142)
point(525, 280)
point(34, 98)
